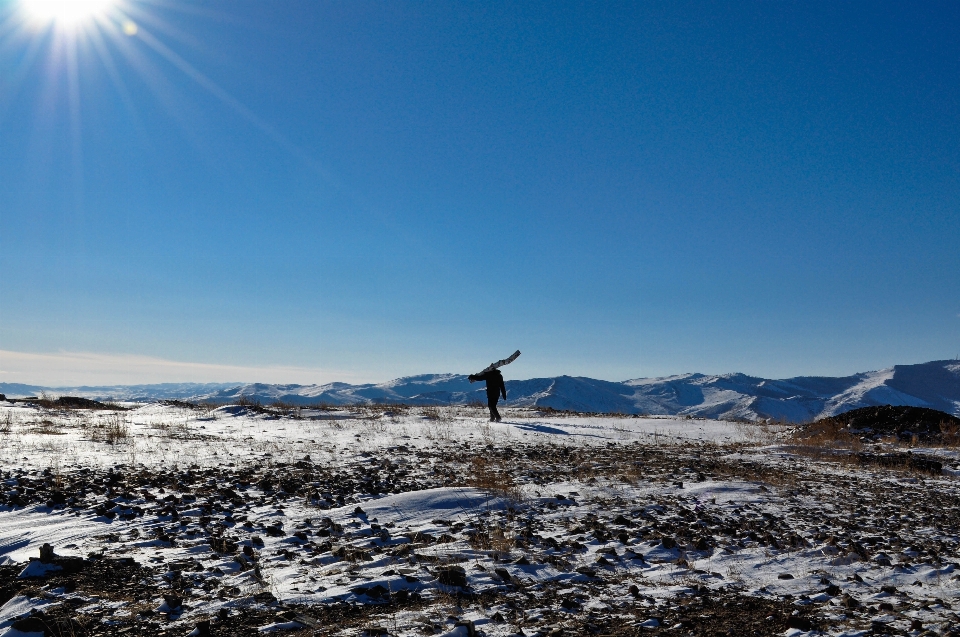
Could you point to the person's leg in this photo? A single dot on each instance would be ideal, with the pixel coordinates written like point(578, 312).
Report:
point(492, 404)
point(496, 413)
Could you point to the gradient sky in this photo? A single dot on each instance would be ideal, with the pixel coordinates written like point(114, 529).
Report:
point(306, 191)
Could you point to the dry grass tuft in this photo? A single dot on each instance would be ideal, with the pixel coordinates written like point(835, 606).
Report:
point(826, 438)
point(493, 477)
point(48, 427)
point(765, 433)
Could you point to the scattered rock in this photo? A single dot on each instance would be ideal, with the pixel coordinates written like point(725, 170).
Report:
point(452, 576)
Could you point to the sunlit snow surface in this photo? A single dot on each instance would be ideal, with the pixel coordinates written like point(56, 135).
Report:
point(159, 437)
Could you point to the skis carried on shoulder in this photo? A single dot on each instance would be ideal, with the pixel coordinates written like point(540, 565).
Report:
point(501, 363)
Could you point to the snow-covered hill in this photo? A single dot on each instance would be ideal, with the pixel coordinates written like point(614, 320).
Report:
point(935, 385)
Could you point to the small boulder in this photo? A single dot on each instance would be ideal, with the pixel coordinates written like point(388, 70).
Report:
point(452, 576)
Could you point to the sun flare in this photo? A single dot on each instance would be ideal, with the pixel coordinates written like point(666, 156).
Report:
point(65, 12)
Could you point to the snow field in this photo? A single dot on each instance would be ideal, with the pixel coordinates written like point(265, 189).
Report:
point(603, 521)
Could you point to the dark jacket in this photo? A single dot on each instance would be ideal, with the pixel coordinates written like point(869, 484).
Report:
point(494, 380)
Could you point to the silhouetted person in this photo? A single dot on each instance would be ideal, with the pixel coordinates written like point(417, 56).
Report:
point(495, 388)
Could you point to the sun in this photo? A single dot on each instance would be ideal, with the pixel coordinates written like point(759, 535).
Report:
point(66, 13)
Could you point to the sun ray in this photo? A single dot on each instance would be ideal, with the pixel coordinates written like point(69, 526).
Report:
point(214, 89)
point(99, 44)
point(76, 128)
point(13, 81)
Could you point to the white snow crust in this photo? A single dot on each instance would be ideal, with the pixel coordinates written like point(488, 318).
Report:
point(160, 437)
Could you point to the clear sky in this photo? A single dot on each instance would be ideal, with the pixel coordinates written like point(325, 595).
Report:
point(308, 191)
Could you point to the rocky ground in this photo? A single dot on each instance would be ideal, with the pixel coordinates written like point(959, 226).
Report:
point(412, 522)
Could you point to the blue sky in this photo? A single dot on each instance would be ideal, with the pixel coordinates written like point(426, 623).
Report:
point(305, 191)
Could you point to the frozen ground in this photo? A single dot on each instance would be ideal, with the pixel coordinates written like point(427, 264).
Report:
point(412, 520)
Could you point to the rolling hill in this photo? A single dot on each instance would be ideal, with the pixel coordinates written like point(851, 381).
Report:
point(934, 385)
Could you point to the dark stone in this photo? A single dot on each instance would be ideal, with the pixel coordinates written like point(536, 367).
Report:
point(850, 601)
point(622, 521)
point(174, 602)
point(34, 624)
point(800, 623)
point(223, 545)
point(570, 605)
point(378, 592)
point(46, 553)
point(265, 597)
point(452, 576)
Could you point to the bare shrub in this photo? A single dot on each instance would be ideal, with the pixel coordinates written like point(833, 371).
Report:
point(287, 410)
point(500, 541)
point(439, 430)
point(6, 423)
point(949, 434)
point(253, 404)
point(431, 413)
point(114, 429)
point(493, 537)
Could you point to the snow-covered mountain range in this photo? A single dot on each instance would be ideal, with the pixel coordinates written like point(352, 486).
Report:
point(935, 385)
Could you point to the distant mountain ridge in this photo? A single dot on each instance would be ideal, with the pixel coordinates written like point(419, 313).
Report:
point(934, 385)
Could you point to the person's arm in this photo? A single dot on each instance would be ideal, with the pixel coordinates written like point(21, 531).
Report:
point(503, 388)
